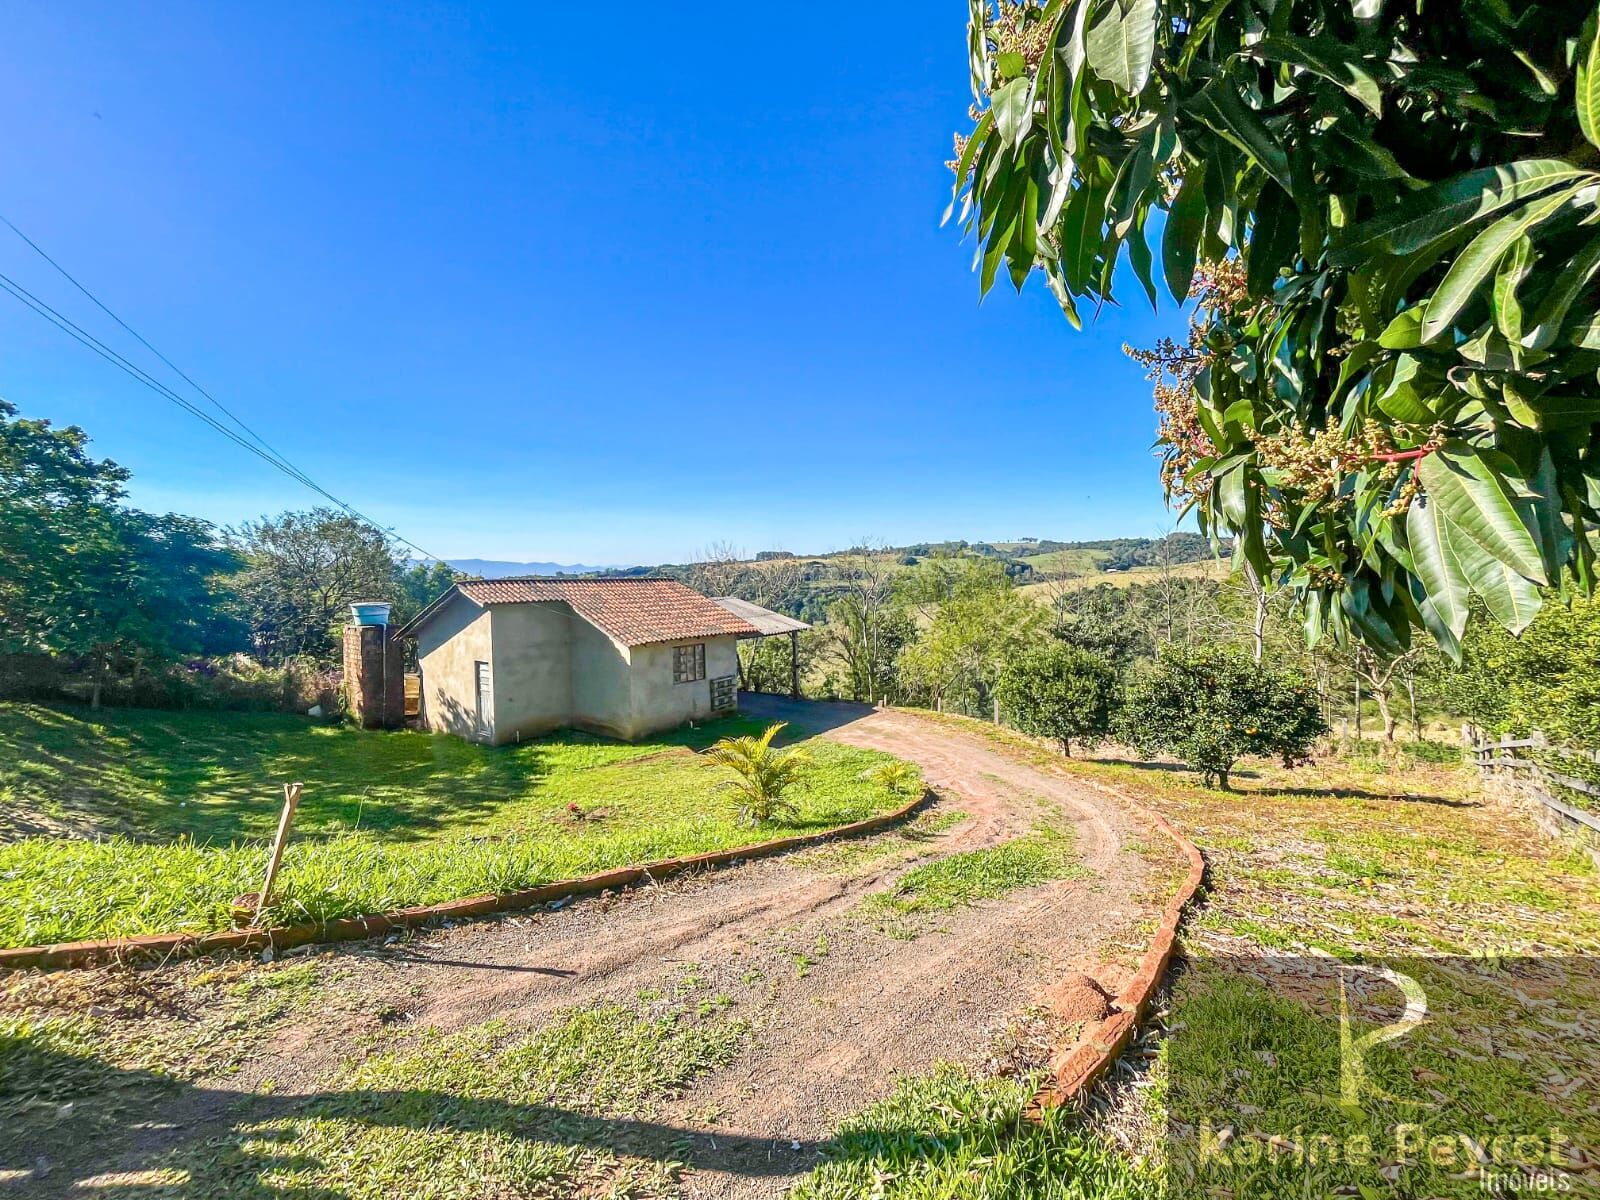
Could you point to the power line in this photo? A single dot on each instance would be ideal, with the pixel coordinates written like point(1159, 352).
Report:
point(98, 303)
point(257, 446)
point(68, 326)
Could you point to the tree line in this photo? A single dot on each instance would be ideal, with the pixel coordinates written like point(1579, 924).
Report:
point(98, 596)
point(1201, 668)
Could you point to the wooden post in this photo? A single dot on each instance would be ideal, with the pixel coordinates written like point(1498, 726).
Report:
point(291, 801)
point(794, 664)
point(997, 710)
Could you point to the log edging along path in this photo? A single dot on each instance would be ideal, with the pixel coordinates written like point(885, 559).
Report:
point(340, 929)
point(1076, 1067)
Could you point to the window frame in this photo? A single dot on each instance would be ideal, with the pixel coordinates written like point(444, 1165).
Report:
point(696, 672)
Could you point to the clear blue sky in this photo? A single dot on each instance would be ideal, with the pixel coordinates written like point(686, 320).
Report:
point(543, 282)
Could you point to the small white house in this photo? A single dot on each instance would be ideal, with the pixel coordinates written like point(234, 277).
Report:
point(508, 658)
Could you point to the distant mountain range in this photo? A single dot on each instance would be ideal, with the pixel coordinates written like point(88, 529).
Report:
point(485, 568)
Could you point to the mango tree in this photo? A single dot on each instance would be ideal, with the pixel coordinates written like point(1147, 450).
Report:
point(1386, 217)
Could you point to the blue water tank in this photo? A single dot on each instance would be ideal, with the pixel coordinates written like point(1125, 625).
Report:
point(371, 613)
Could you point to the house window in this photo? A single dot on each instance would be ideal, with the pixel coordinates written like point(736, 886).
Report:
point(688, 663)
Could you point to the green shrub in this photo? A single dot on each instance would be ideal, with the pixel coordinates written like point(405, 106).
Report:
point(231, 683)
point(1211, 706)
point(1059, 692)
point(1548, 679)
point(1431, 750)
point(761, 774)
point(896, 776)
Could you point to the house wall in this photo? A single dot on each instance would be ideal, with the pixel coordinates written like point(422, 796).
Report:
point(532, 669)
point(658, 703)
point(447, 647)
point(602, 686)
point(552, 669)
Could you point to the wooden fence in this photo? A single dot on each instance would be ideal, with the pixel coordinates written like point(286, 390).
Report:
point(1530, 769)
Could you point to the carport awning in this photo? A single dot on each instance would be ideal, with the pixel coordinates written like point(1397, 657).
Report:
point(767, 622)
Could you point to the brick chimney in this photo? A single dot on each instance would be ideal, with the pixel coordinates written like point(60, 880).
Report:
point(374, 673)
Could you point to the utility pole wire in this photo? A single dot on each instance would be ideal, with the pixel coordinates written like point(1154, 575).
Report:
point(140, 338)
point(261, 449)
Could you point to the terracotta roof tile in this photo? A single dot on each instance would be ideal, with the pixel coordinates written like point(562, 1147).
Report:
point(636, 611)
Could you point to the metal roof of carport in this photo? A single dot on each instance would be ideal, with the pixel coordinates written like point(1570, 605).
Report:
point(767, 622)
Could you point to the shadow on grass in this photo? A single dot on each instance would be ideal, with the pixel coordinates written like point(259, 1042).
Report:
point(1339, 793)
point(216, 776)
point(99, 1120)
point(1347, 793)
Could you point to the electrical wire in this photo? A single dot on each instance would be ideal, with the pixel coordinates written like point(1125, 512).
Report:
point(257, 445)
point(101, 305)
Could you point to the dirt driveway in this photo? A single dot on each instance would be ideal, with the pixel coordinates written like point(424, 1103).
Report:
point(842, 1005)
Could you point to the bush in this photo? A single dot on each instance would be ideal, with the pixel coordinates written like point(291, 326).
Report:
point(1210, 707)
point(1548, 679)
point(1059, 692)
point(234, 684)
point(761, 774)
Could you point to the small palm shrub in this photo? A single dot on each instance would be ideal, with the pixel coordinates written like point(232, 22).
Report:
point(761, 774)
point(896, 776)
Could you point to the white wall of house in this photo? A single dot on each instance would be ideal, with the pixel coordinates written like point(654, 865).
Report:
point(448, 649)
point(532, 668)
point(660, 703)
point(548, 668)
point(602, 690)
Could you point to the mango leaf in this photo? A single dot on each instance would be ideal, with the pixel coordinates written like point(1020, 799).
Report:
point(1564, 291)
point(1588, 92)
point(1219, 106)
point(1504, 305)
point(1013, 110)
point(1139, 258)
point(1230, 491)
point(968, 153)
point(1404, 332)
point(1510, 598)
point(1082, 234)
point(1274, 238)
point(1478, 261)
point(1431, 213)
point(977, 53)
point(1180, 241)
point(993, 253)
point(1400, 398)
point(1475, 498)
point(1438, 565)
point(1325, 56)
point(1121, 45)
point(1563, 410)
point(1555, 539)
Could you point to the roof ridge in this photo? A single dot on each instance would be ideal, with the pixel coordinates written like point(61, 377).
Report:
point(661, 610)
point(570, 579)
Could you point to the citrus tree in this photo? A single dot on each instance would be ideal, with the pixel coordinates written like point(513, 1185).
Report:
point(1386, 214)
point(1057, 691)
point(1210, 706)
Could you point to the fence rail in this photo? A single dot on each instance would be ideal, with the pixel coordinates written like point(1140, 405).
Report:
point(1508, 761)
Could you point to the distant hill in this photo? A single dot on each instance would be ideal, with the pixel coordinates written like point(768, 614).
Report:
point(486, 568)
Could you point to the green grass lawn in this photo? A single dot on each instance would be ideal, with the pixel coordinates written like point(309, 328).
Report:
point(176, 806)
